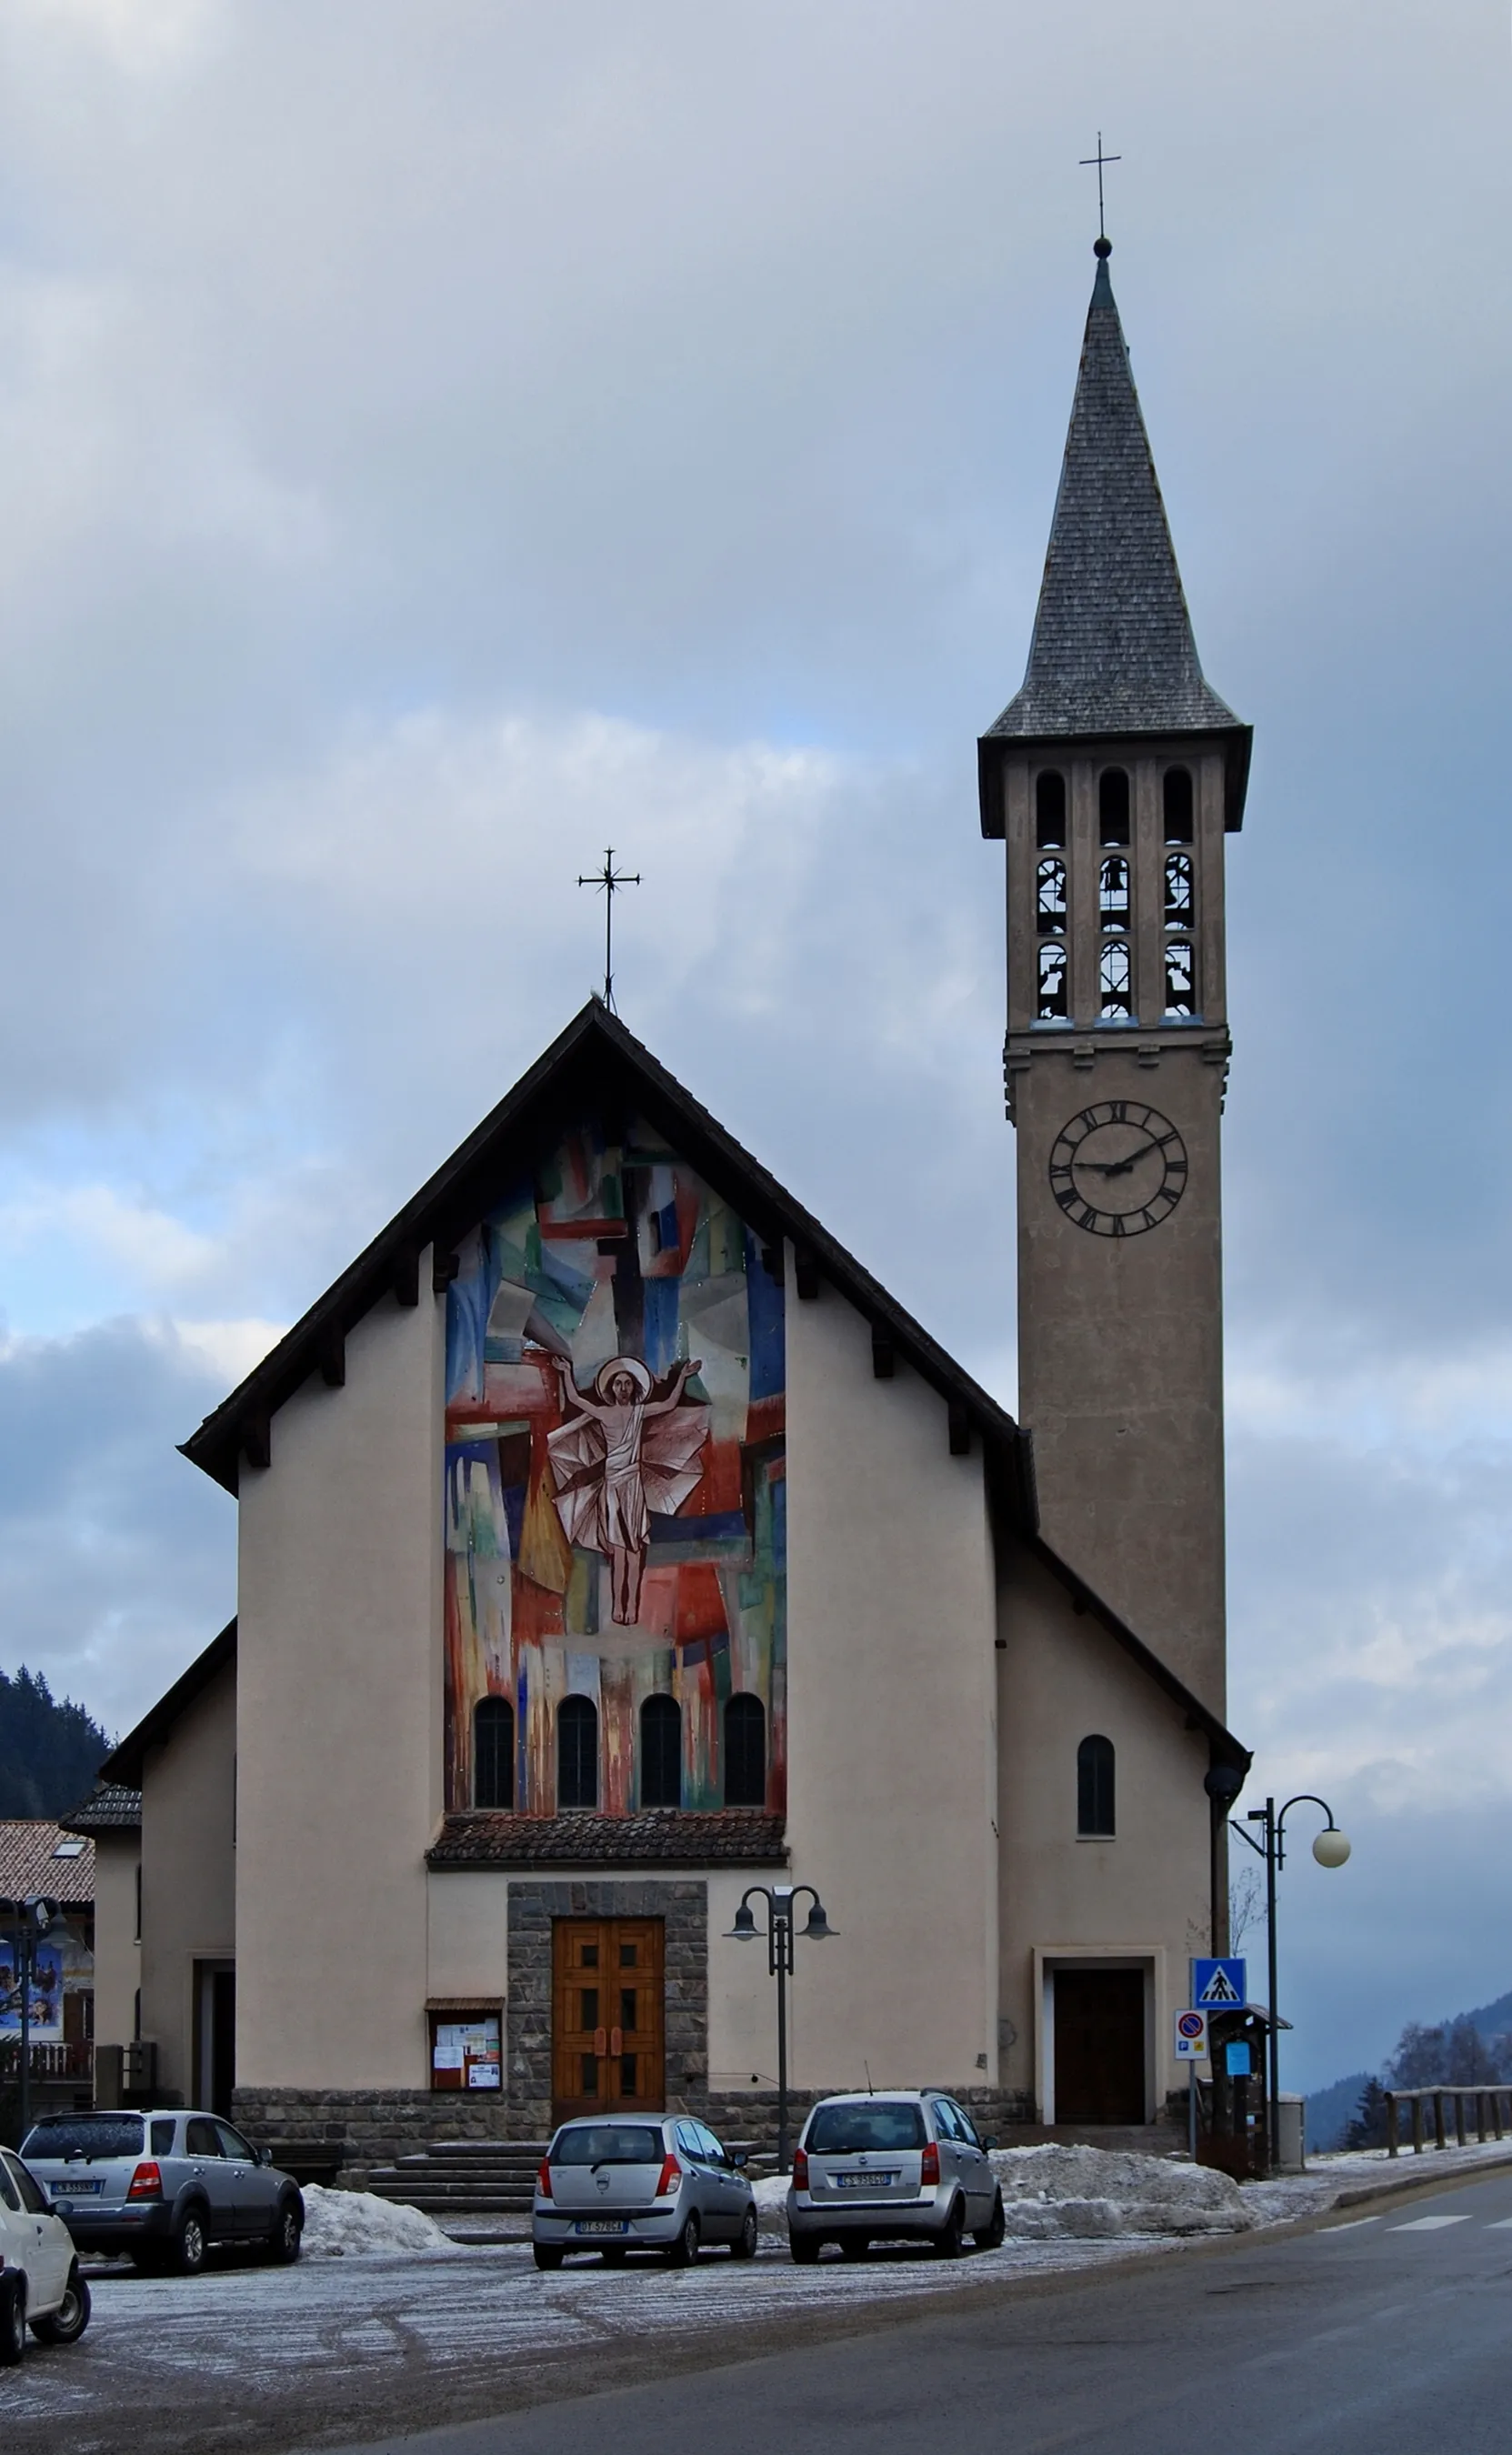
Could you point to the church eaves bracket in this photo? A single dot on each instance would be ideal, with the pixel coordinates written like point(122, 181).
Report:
point(884, 1355)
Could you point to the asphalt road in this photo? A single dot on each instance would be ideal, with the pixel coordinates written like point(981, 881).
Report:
point(1385, 2335)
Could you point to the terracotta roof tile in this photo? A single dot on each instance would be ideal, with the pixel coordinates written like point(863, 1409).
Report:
point(30, 1863)
point(732, 1836)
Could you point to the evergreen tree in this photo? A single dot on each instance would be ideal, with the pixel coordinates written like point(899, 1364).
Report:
point(1368, 2129)
point(50, 1752)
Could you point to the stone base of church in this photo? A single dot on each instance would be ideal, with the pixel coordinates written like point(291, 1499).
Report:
point(345, 2134)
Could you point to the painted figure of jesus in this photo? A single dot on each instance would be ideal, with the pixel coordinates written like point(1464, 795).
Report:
point(621, 1455)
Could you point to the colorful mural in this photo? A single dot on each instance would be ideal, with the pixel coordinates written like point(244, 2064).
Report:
point(614, 1522)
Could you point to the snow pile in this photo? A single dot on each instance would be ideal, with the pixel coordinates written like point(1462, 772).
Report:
point(354, 2224)
point(770, 2193)
point(1098, 2194)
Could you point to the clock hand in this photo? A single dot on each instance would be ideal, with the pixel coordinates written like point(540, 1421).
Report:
point(1116, 1166)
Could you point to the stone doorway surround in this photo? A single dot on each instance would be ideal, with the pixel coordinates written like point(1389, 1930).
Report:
point(1149, 1958)
point(683, 1907)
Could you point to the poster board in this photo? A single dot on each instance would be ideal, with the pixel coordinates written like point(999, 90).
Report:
point(466, 2050)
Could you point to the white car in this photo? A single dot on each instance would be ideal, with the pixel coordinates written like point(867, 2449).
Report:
point(40, 2285)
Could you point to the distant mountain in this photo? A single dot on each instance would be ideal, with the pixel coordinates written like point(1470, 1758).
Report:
point(1331, 2110)
point(50, 1752)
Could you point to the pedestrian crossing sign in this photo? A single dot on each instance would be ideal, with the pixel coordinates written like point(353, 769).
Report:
point(1218, 1985)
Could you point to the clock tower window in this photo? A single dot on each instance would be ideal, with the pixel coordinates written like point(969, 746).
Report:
point(1112, 891)
point(1116, 982)
point(1180, 979)
point(1177, 796)
point(1054, 1003)
point(1050, 810)
point(1112, 806)
point(1050, 898)
point(1179, 905)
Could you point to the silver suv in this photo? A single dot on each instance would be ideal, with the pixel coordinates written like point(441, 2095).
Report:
point(904, 2165)
point(649, 2181)
point(163, 2186)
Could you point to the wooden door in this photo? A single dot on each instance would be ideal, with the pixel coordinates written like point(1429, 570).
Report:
point(607, 2017)
point(1099, 2045)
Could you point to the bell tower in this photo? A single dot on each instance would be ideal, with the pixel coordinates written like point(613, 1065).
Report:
point(1113, 778)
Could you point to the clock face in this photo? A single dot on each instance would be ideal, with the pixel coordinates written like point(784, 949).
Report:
point(1118, 1168)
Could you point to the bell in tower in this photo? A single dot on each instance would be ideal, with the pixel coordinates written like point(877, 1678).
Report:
point(1113, 778)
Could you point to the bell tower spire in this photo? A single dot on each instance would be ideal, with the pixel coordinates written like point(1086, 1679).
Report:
point(1114, 776)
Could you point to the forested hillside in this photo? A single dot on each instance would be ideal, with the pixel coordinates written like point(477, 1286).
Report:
point(50, 1752)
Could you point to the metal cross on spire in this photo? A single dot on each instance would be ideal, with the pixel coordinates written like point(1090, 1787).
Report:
point(1101, 160)
point(611, 879)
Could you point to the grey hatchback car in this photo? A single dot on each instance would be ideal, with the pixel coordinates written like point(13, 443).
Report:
point(163, 2185)
point(905, 2166)
point(651, 2182)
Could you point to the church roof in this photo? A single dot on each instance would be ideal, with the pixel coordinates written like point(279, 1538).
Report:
point(1111, 652)
point(111, 1806)
point(596, 1062)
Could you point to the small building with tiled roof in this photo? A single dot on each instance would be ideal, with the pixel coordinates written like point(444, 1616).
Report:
point(44, 1860)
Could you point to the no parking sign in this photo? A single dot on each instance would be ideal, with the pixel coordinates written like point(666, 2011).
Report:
point(1191, 2036)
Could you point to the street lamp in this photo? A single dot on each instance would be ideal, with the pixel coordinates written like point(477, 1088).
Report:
point(781, 1900)
point(32, 1916)
point(1330, 1849)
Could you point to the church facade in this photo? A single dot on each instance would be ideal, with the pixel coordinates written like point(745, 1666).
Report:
point(612, 1546)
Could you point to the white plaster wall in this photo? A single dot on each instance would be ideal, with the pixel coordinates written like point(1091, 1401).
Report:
point(467, 1924)
point(341, 1741)
point(117, 1946)
point(892, 1777)
point(188, 1900)
point(1144, 1892)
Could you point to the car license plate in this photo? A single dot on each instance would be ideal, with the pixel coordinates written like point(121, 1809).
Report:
point(75, 2190)
point(865, 2182)
point(600, 2225)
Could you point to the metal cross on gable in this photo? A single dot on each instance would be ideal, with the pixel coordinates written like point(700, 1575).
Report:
point(611, 879)
point(1100, 160)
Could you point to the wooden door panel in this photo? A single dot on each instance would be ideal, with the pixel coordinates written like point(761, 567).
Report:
point(608, 2016)
point(1099, 2045)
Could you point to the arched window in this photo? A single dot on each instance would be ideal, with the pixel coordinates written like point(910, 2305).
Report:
point(1112, 891)
point(1094, 1788)
point(1114, 980)
point(1112, 806)
point(1050, 809)
point(745, 1753)
point(493, 1753)
point(577, 1753)
point(1054, 1000)
point(1050, 898)
point(661, 1752)
point(1178, 890)
point(1178, 793)
point(1181, 978)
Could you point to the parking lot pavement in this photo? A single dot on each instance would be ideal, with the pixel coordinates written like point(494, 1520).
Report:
point(332, 2350)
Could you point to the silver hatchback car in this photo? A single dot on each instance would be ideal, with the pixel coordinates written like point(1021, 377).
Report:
point(649, 2181)
point(907, 2165)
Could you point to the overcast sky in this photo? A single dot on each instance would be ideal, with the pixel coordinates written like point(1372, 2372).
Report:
point(438, 441)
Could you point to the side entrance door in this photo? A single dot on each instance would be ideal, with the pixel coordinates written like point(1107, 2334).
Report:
point(607, 2017)
point(1099, 2045)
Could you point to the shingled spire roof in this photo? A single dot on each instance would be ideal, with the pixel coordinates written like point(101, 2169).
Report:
point(1113, 651)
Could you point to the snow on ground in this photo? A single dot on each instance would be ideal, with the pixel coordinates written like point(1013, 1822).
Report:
point(1351, 2171)
point(1100, 2194)
point(354, 2224)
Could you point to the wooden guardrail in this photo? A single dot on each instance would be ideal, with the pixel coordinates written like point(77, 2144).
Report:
point(1414, 2098)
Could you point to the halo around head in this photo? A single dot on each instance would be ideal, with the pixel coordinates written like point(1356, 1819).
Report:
point(608, 1374)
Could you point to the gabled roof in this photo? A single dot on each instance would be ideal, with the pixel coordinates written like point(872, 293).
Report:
point(1112, 653)
point(111, 1807)
point(126, 1761)
point(596, 1066)
point(30, 1862)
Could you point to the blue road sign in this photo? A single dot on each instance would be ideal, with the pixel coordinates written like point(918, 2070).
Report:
point(1218, 1985)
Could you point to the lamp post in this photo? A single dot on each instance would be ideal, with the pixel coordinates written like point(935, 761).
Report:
point(781, 1900)
point(1330, 1849)
point(32, 1916)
